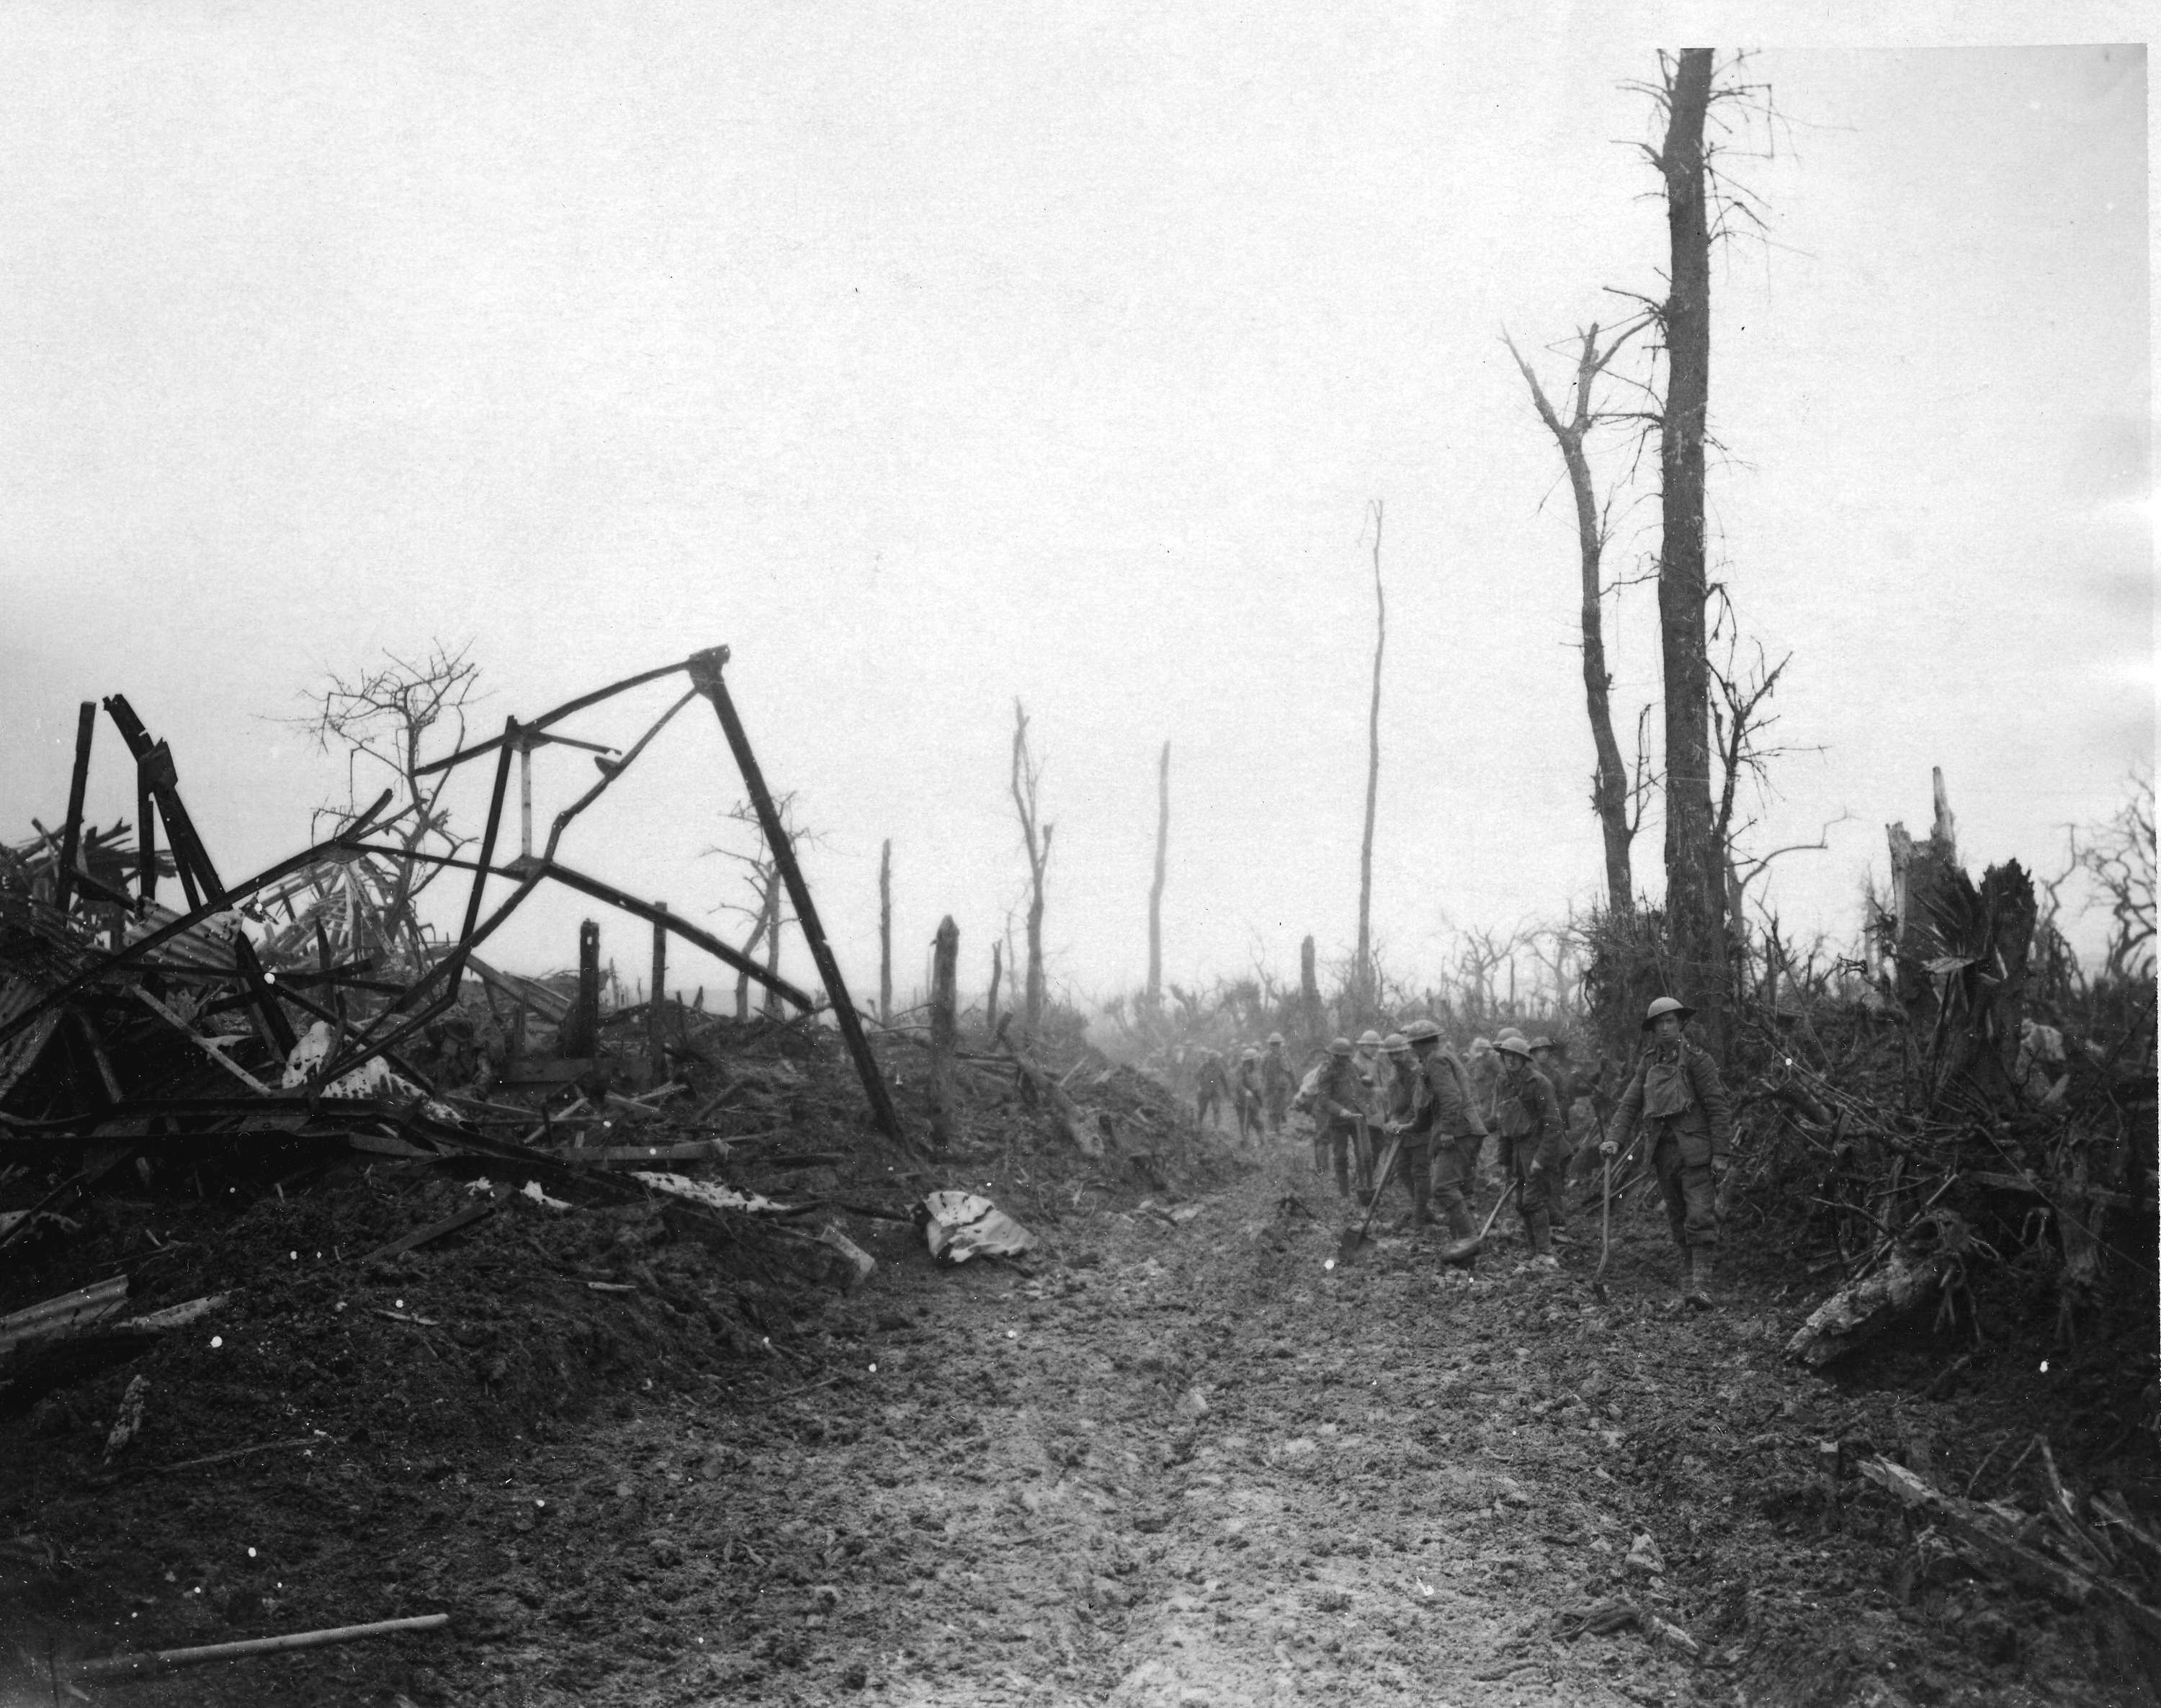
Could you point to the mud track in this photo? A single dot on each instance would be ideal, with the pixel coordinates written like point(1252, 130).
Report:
point(1174, 1462)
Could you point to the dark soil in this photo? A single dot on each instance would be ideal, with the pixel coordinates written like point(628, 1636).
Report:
point(1162, 1461)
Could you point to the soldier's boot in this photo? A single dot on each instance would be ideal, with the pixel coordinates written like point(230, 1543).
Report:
point(1320, 1156)
point(1687, 1279)
point(1696, 1287)
point(1460, 1227)
point(1421, 1199)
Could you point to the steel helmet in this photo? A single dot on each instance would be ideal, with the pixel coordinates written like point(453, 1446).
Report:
point(1481, 1046)
point(1542, 1044)
point(1418, 1031)
point(1396, 1043)
point(1661, 1007)
point(1275, 1038)
point(1250, 1054)
point(1339, 1046)
point(1508, 1031)
point(1369, 1037)
point(1515, 1047)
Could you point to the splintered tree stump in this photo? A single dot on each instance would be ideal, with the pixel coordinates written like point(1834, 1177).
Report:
point(945, 963)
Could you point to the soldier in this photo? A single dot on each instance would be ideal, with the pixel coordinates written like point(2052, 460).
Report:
point(1277, 1081)
point(1444, 1121)
point(1677, 1091)
point(1373, 1070)
point(1211, 1087)
point(1339, 1104)
point(1546, 1058)
point(1531, 1138)
point(1246, 1091)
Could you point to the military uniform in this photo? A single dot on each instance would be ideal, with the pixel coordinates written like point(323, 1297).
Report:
point(1531, 1137)
point(1277, 1082)
point(1212, 1088)
point(1677, 1090)
point(1450, 1130)
point(1339, 1102)
point(1246, 1091)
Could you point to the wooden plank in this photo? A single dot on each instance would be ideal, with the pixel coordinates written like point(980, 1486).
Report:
point(435, 1229)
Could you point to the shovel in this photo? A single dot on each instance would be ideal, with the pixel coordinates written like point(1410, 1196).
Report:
point(1463, 1250)
point(1355, 1238)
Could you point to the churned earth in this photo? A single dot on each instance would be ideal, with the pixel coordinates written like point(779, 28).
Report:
point(1175, 1459)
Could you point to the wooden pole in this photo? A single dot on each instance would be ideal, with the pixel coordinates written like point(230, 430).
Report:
point(885, 933)
point(946, 959)
point(705, 672)
point(85, 726)
point(656, 1010)
point(120, 1666)
point(580, 1034)
point(1155, 891)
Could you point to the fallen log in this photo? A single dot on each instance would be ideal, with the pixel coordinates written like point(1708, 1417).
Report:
point(1921, 1264)
point(68, 1312)
point(1065, 1114)
point(124, 1666)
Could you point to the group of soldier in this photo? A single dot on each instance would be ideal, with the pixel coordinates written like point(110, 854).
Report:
point(1409, 1099)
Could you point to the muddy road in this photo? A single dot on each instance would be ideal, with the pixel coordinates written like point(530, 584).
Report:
point(1189, 1464)
point(1178, 1460)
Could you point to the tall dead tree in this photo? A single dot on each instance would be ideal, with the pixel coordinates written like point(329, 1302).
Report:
point(991, 1003)
point(1695, 886)
point(885, 933)
point(1026, 781)
point(1309, 991)
point(768, 895)
point(382, 716)
point(1155, 891)
point(1361, 968)
point(1611, 796)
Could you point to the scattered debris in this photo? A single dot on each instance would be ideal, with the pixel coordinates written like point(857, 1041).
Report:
point(129, 1424)
point(124, 1666)
point(958, 1225)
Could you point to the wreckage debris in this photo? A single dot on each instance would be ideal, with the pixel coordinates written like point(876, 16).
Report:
point(958, 1225)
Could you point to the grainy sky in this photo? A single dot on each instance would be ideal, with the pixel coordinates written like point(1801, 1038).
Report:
point(932, 356)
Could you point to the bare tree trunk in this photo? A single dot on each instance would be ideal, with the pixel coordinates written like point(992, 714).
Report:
point(656, 1006)
point(773, 946)
point(946, 959)
point(580, 1035)
point(1309, 992)
point(990, 1007)
point(1027, 779)
point(1361, 970)
point(1155, 893)
point(1609, 780)
point(1695, 891)
point(885, 933)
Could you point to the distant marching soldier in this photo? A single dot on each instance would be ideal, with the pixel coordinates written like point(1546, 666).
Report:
point(1212, 1090)
point(1373, 1070)
point(1399, 1119)
point(1277, 1081)
point(1677, 1092)
point(1532, 1135)
point(1339, 1105)
point(1546, 1058)
point(1246, 1092)
point(1444, 1132)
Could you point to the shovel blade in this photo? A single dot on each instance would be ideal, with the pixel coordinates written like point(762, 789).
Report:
point(1463, 1250)
point(1352, 1242)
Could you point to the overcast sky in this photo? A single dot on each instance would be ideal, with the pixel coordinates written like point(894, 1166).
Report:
point(927, 356)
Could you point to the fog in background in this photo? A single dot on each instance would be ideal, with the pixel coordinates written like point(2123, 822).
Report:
point(927, 356)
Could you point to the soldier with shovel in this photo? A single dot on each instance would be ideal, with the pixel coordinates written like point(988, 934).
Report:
point(1445, 1123)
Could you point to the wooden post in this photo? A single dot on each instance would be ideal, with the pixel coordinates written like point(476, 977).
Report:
point(1155, 891)
point(945, 959)
point(705, 669)
point(581, 1031)
point(656, 1009)
point(885, 933)
point(85, 726)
